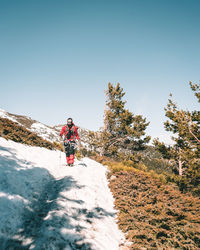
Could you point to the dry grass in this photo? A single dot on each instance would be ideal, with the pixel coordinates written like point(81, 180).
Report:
point(155, 215)
point(13, 131)
point(115, 167)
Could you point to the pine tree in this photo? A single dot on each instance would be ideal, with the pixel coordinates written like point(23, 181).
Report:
point(124, 133)
point(185, 153)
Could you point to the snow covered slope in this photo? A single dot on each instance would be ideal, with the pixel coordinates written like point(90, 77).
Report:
point(42, 130)
point(46, 132)
point(46, 205)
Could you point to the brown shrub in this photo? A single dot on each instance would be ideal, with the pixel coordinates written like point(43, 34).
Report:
point(13, 131)
point(155, 215)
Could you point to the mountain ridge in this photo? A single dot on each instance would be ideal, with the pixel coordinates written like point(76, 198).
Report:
point(49, 133)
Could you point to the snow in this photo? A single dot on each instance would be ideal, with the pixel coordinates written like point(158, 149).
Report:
point(45, 132)
point(40, 129)
point(4, 114)
point(47, 205)
point(48, 133)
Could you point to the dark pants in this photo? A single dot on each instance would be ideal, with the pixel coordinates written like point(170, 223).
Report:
point(69, 148)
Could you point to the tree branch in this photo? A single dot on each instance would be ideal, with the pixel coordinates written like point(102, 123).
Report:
point(190, 131)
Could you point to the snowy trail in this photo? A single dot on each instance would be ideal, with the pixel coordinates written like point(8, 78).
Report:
point(45, 205)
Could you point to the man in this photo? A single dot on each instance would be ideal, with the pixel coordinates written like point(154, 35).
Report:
point(70, 135)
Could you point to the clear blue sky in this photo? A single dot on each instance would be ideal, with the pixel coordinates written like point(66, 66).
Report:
point(57, 57)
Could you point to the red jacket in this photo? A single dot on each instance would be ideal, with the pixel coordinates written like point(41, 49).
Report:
point(74, 134)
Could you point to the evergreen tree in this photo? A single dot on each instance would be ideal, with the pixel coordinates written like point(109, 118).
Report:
point(124, 133)
point(185, 153)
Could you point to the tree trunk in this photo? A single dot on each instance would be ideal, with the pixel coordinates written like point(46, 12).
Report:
point(105, 127)
point(180, 163)
point(180, 167)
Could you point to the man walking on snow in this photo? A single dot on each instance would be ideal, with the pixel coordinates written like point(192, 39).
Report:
point(70, 135)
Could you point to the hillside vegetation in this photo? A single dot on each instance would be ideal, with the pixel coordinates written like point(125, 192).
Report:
point(13, 131)
point(156, 188)
point(155, 215)
point(124, 140)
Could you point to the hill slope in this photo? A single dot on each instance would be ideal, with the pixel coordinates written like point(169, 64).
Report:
point(155, 215)
point(42, 130)
point(46, 132)
point(14, 131)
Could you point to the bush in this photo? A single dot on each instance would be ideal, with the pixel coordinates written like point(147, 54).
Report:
point(13, 131)
point(153, 215)
point(78, 155)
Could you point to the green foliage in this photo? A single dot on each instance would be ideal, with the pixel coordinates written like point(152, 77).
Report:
point(83, 152)
point(185, 153)
point(93, 140)
point(196, 88)
point(123, 131)
point(153, 160)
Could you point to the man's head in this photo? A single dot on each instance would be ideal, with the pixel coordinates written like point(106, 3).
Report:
point(69, 121)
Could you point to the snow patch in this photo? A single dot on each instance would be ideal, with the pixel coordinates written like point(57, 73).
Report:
point(4, 114)
point(44, 131)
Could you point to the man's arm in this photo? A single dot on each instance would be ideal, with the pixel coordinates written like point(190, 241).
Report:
point(62, 132)
point(76, 133)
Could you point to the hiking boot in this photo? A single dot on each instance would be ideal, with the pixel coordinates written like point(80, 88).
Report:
point(70, 165)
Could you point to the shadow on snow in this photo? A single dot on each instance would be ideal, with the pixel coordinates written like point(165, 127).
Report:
point(39, 223)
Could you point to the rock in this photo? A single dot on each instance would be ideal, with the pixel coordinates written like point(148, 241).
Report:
point(113, 177)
